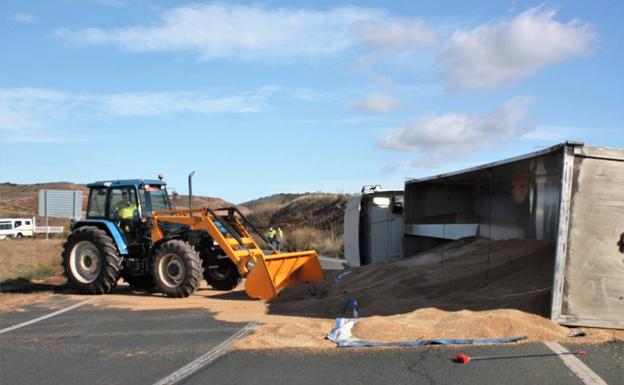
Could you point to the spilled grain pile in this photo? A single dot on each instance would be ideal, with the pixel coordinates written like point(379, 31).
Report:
point(473, 275)
point(465, 289)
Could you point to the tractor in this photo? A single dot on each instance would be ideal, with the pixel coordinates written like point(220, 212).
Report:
point(132, 232)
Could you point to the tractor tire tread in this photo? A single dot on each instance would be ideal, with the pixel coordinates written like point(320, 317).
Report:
point(111, 263)
point(192, 264)
point(228, 283)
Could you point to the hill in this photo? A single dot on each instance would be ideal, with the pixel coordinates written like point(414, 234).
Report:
point(22, 200)
point(319, 210)
point(181, 201)
point(271, 203)
point(311, 220)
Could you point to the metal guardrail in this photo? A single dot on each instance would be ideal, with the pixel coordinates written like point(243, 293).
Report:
point(49, 229)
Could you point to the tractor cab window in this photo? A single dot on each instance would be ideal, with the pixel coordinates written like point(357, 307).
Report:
point(153, 198)
point(123, 203)
point(97, 203)
point(17, 224)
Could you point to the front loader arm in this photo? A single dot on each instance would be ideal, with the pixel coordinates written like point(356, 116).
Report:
point(266, 275)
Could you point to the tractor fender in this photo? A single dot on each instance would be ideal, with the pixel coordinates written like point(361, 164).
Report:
point(110, 228)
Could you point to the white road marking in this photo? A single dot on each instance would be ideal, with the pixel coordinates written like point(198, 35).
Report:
point(72, 307)
point(582, 371)
point(207, 358)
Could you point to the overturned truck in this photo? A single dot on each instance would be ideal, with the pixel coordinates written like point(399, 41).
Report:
point(570, 194)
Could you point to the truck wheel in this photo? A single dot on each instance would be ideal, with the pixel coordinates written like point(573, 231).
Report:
point(91, 262)
point(177, 269)
point(139, 282)
point(19, 236)
point(221, 274)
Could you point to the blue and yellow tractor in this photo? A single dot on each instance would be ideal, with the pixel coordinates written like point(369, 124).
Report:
point(132, 232)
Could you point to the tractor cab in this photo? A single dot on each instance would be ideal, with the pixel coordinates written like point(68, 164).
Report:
point(126, 200)
point(127, 205)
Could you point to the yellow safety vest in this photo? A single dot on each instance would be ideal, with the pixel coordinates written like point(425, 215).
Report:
point(127, 212)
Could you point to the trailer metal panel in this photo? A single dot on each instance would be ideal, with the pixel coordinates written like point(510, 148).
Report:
point(562, 234)
point(444, 231)
point(352, 231)
point(590, 286)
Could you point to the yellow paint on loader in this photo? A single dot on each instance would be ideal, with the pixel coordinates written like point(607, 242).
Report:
point(265, 275)
point(274, 272)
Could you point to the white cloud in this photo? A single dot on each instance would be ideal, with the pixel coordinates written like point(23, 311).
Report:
point(396, 35)
point(366, 66)
point(494, 55)
point(157, 103)
point(216, 31)
point(561, 133)
point(377, 103)
point(25, 112)
point(447, 137)
point(21, 17)
point(17, 107)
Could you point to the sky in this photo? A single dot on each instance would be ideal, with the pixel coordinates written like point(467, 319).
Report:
point(300, 96)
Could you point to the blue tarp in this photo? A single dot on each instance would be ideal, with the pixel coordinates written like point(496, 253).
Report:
point(341, 276)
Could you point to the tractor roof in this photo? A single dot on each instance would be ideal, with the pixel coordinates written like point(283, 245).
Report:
point(126, 182)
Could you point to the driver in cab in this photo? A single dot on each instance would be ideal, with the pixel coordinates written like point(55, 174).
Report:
point(125, 211)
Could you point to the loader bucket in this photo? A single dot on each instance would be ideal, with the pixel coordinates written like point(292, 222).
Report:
point(272, 273)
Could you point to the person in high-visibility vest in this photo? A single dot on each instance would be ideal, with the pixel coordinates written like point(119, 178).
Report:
point(275, 237)
point(272, 237)
point(279, 237)
point(125, 212)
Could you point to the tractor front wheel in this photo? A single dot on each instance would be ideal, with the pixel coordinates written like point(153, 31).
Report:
point(221, 274)
point(177, 269)
point(90, 260)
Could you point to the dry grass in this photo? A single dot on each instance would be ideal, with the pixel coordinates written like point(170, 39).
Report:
point(325, 242)
point(30, 258)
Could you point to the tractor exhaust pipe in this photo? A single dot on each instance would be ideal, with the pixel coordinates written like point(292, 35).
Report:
point(190, 197)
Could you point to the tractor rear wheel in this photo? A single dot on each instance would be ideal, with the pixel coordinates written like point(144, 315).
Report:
point(91, 262)
point(177, 269)
point(221, 274)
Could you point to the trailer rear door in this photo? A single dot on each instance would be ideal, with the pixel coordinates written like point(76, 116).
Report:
point(589, 274)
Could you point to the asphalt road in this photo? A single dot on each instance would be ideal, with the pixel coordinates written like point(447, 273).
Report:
point(94, 344)
point(406, 366)
point(97, 345)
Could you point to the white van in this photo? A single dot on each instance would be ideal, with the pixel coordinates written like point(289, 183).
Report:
point(16, 227)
